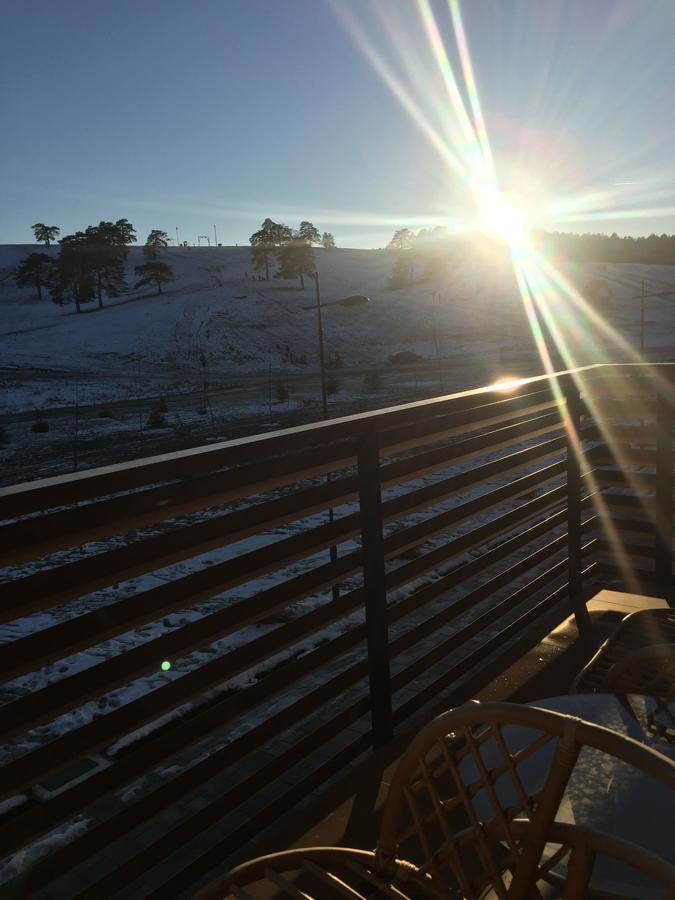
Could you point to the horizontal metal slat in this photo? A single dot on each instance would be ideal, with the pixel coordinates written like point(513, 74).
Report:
point(440, 457)
point(33, 538)
point(466, 407)
point(75, 579)
point(479, 654)
point(69, 692)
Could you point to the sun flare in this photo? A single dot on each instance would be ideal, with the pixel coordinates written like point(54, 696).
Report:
point(505, 219)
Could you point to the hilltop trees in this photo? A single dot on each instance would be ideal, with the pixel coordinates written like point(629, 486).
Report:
point(265, 242)
point(155, 242)
point(308, 233)
point(92, 262)
point(36, 270)
point(610, 248)
point(427, 251)
point(45, 234)
point(296, 259)
point(403, 239)
point(154, 271)
point(73, 276)
point(106, 247)
point(291, 249)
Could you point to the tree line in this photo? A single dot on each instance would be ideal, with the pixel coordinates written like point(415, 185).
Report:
point(91, 264)
point(290, 249)
point(656, 249)
point(425, 255)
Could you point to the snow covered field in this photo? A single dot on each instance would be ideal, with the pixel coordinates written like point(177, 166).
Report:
point(221, 348)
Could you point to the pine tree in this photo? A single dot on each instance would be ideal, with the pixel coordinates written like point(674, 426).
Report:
point(296, 259)
point(154, 271)
point(327, 240)
point(45, 234)
point(36, 270)
point(154, 242)
point(107, 249)
point(264, 244)
point(93, 261)
point(403, 239)
point(308, 233)
point(74, 272)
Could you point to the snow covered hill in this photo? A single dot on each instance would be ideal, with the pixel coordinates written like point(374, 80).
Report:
point(232, 355)
point(215, 308)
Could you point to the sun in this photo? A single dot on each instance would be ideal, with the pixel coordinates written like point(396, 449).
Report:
point(505, 219)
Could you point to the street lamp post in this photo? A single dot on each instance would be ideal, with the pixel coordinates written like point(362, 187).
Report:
point(642, 321)
point(324, 398)
point(324, 405)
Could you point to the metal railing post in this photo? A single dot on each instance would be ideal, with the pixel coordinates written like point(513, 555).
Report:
point(665, 459)
point(372, 543)
point(572, 427)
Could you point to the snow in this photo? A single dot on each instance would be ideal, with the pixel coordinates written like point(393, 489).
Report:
point(57, 838)
point(200, 313)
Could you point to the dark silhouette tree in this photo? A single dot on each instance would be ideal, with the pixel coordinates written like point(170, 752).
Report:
point(265, 242)
point(107, 249)
point(92, 262)
point(327, 240)
point(74, 275)
point(296, 259)
point(36, 270)
point(154, 272)
point(154, 243)
point(308, 233)
point(45, 234)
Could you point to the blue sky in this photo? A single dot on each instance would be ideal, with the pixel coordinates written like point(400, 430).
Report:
point(226, 111)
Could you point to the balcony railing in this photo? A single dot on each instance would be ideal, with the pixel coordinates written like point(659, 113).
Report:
point(180, 649)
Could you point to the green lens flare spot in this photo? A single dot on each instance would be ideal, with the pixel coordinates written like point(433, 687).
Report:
point(166, 665)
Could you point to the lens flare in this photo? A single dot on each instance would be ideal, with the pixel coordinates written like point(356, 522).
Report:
point(506, 220)
point(507, 384)
point(442, 99)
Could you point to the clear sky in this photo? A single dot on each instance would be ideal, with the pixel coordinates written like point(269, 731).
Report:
point(223, 112)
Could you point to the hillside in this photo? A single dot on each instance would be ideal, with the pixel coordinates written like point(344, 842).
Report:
point(237, 347)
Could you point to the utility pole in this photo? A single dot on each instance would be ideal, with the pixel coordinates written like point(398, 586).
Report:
point(642, 322)
point(437, 342)
point(176, 235)
point(269, 381)
point(324, 404)
point(215, 236)
point(324, 400)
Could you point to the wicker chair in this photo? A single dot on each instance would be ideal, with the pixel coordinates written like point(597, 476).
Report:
point(465, 778)
point(638, 630)
point(579, 848)
point(324, 873)
point(650, 670)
